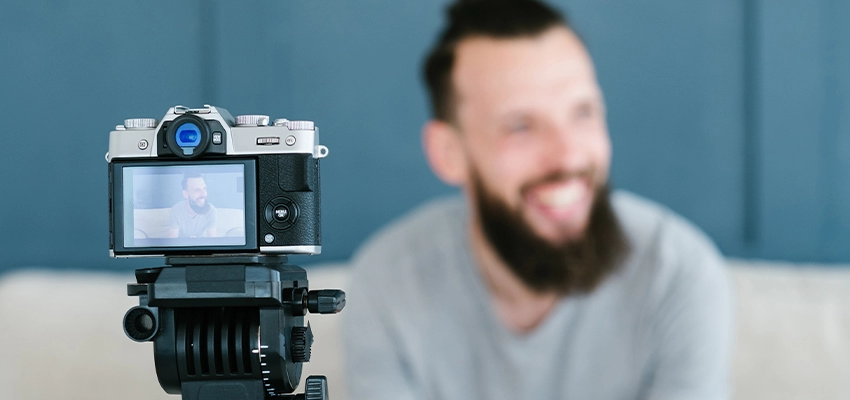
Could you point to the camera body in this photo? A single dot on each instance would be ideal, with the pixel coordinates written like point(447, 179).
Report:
point(201, 182)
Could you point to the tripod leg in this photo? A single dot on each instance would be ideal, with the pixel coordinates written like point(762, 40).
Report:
point(223, 390)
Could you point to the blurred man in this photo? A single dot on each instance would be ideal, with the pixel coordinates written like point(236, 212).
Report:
point(194, 217)
point(536, 284)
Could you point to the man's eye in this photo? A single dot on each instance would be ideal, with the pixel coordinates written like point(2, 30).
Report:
point(519, 126)
point(584, 112)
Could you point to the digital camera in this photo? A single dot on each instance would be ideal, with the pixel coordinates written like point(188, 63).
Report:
point(200, 182)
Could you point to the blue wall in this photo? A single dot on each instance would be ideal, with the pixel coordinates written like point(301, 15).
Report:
point(735, 113)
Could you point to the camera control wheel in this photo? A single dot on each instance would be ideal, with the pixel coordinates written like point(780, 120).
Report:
point(281, 213)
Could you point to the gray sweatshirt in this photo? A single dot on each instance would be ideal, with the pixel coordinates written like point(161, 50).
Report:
point(420, 324)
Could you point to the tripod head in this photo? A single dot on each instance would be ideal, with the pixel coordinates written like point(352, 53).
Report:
point(229, 327)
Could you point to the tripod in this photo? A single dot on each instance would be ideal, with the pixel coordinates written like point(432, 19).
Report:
point(229, 327)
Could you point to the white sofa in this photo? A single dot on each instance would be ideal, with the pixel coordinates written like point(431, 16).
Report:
point(155, 222)
point(61, 335)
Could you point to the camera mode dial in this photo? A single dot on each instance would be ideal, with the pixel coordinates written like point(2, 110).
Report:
point(252, 120)
point(301, 125)
point(295, 125)
point(140, 123)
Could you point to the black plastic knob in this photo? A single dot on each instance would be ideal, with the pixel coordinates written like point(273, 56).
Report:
point(302, 341)
point(141, 323)
point(147, 275)
point(326, 301)
point(316, 388)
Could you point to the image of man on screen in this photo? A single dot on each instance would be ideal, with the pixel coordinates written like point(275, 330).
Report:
point(194, 216)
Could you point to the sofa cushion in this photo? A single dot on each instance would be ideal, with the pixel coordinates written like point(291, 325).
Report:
point(61, 335)
point(155, 222)
point(792, 331)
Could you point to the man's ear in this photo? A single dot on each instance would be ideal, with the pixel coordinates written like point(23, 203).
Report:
point(445, 152)
point(185, 194)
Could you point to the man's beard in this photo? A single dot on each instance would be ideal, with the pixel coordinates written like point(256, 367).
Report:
point(574, 266)
point(200, 209)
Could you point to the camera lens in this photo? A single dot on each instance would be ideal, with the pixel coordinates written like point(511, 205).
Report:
point(188, 135)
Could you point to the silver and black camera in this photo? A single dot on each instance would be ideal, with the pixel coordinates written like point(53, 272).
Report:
point(200, 182)
point(225, 200)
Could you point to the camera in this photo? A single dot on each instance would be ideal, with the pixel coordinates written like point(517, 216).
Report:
point(202, 182)
point(225, 200)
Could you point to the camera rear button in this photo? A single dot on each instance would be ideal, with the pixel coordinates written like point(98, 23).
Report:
point(269, 238)
point(216, 138)
point(281, 213)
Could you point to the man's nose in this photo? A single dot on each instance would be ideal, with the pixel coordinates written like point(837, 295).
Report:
point(565, 149)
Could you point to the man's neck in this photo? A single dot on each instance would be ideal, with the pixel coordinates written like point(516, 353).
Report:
point(517, 306)
point(192, 212)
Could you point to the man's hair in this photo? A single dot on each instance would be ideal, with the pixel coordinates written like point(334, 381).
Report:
point(188, 176)
point(500, 19)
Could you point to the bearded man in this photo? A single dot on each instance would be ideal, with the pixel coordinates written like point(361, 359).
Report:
point(537, 283)
point(193, 217)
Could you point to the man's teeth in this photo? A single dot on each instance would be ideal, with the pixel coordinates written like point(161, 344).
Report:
point(563, 196)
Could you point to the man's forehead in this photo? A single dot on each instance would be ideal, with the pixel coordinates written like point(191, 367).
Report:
point(195, 181)
point(489, 69)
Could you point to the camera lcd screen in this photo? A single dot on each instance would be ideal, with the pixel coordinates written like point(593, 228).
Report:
point(188, 206)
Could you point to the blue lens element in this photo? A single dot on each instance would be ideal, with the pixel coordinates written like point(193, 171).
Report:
point(188, 135)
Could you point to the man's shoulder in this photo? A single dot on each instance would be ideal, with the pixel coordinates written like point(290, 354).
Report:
point(666, 247)
point(179, 208)
point(427, 230)
point(676, 290)
point(648, 223)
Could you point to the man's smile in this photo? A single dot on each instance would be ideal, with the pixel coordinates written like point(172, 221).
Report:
point(561, 201)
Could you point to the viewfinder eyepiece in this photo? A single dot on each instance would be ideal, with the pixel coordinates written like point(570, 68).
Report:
point(188, 136)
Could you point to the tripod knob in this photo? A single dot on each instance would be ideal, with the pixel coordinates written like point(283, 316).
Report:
point(302, 341)
point(316, 388)
point(326, 301)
